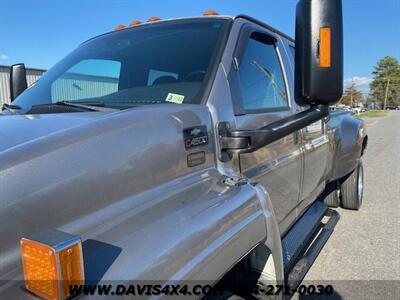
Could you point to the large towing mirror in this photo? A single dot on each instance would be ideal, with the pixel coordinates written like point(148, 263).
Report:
point(319, 52)
point(18, 82)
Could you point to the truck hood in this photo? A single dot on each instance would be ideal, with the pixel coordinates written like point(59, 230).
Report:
point(19, 129)
point(79, 172)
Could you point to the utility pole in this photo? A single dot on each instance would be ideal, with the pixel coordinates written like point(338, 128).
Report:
point(351, 93)
point(386, 93)
point(351, 98)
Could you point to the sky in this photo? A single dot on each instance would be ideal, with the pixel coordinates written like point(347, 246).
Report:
point(41, 32)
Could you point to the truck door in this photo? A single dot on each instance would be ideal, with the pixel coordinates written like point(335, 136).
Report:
point(314, 141)
point(315, 151)
point(260, 94)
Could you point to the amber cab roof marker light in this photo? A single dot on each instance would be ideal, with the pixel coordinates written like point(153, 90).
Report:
point(210, 12)
point(153, 19)
point(135, 22)
point(119, 27)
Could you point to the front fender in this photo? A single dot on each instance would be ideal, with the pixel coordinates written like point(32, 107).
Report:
point(194, 229)
point(273, 269)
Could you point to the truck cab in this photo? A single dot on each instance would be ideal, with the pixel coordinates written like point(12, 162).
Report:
point(183, 150)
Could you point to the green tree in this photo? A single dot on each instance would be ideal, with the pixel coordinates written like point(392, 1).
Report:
point(352, 96)
point(386, 76)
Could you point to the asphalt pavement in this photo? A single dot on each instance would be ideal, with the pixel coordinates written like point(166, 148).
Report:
point(361, 260)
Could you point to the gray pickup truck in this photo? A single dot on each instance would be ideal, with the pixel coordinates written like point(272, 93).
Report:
point(186, 150)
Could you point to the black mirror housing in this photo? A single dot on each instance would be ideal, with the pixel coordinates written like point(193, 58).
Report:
point(319, 52)
point(18, 82)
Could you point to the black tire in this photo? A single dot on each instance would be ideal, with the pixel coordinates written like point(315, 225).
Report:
point(352, 189)
point(333, 198)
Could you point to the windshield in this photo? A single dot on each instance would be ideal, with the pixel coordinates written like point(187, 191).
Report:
point(166, 62)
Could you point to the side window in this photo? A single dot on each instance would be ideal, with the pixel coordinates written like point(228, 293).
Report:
point(260, 75)
point(87, 79)
point(292, 54)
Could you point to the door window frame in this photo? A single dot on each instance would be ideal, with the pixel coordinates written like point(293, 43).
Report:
point(233, 77)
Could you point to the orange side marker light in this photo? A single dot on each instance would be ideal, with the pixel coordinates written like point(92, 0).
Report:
point(52, 261)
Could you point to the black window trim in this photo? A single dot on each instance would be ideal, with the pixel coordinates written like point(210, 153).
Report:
point(245, 34)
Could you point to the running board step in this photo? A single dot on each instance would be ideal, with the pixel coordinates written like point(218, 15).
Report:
point(310, 252)
point(300, 235)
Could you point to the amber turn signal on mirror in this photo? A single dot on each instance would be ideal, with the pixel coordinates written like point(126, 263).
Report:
point(325, 47)
point(52, 261)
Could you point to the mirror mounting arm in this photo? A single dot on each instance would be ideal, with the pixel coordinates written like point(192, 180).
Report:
point(247, 141)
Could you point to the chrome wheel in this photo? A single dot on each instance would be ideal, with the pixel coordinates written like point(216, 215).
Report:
point(360, 183)
point(352, 189)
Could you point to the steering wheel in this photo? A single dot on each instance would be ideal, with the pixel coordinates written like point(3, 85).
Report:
point(192, 76)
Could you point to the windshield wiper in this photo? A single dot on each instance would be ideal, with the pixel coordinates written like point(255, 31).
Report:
point(92, 105)
point(11, 107)
point(82, 105)
point(85, 105)
point(89, 103)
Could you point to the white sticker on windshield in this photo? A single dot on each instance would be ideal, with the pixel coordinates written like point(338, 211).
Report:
point(175, 98)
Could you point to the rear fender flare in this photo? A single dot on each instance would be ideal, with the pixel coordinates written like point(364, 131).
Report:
point(349, 147)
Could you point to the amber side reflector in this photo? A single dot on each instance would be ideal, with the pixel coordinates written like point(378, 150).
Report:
point(52, 262)
point(119, 27)
point(210, 12)
point(325, 47)
point(135, 22)
point(153, 19)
